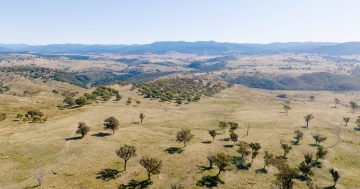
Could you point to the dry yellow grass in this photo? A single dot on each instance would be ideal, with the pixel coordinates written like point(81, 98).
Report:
point(25, 148)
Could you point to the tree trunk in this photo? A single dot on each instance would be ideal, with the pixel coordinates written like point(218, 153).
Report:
point(149, 176)
point(125, 165)
point(184, 144)
point(307, 124)
point(113, 131)
point(218, 173)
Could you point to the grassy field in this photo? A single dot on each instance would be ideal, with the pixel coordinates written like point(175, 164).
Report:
point(26, 148)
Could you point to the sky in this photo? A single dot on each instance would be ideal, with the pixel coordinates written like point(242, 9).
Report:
point(146, 21)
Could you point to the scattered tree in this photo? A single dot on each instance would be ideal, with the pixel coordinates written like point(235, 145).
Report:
point(211, 159)
point(233, 126)
point(243, 149)
point(223, 125)
point(337, 101)
point(222, 161)
point(233, 137)
point(111, 123)
point(286, 108)
point(285, 175)
point(312, 98)
point(184, 136)
point(142, 116)
point(83, 129)
point(320, 153)
point(126, 152)
point(81, 101)
point(152, 166)
point(336, 176)
point(318, 139)
point(308, 118)
point(268, 158)
point(298, 136)
point(69, 101)
point(286, 148)
point(305, 166)
point(3, 116)
point(346, 120)
point(39, 175)
point(213, 134)
point(354, 106)
point(118, 97)
point(255, 147)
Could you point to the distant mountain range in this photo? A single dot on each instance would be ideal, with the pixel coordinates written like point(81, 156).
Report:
point(201, 47)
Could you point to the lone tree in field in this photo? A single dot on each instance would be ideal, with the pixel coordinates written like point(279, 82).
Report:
point(285, 175)
point(318, 139)
point(184, 136)
point(83, 129)
point(286, 108)
point(234, 137)
point(222, 161)
point(152, 166)
point(268, 158)
point(111, 123)
point(141, 116)
point(320, 153)
point(286, 148)
point(69, 101)
point(337, 101)
point(354, 106)
point(255, 147)
point(243, 149)
point(298, 136)
point(126, 152)
point(3, 116)
point(312, 98)
point(346, 120)
point(336, 176)
point(213, 134)
point(223, 125)
point(308, 118)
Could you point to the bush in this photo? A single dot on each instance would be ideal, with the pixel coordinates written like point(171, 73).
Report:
point(3, 116)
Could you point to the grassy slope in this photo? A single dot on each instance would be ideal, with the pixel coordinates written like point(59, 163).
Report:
point(25, 148)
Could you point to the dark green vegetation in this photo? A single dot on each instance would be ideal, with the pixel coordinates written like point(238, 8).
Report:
point(311, 81)
point(91, 79)
point(180, 90)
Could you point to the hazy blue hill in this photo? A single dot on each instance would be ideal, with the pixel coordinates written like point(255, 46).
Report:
point(200, 47)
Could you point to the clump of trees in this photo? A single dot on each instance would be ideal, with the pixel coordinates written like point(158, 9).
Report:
point(126, 152)
point(103, 93)
point(35, 116)
point(184, 136)
point(285, 175)
point(152, 165)
point(180, 90)
point(222, 161)
point(83, 129)
point(111, 123)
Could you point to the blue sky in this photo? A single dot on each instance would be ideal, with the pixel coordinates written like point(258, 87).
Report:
point(146, 21)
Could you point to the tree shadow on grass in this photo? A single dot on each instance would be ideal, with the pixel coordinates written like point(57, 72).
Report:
point(206, 141)
point(329, 187)
point(225, 139)
point(357, 128)
point(30, 187)
point(316, 164)
point(101, 134)
point(228, 145)
point(173, 150)
point(240, 163)
point(134, 184)
point(261, 171)
point(73, 138)
point(209, 181)
point(107, 174)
